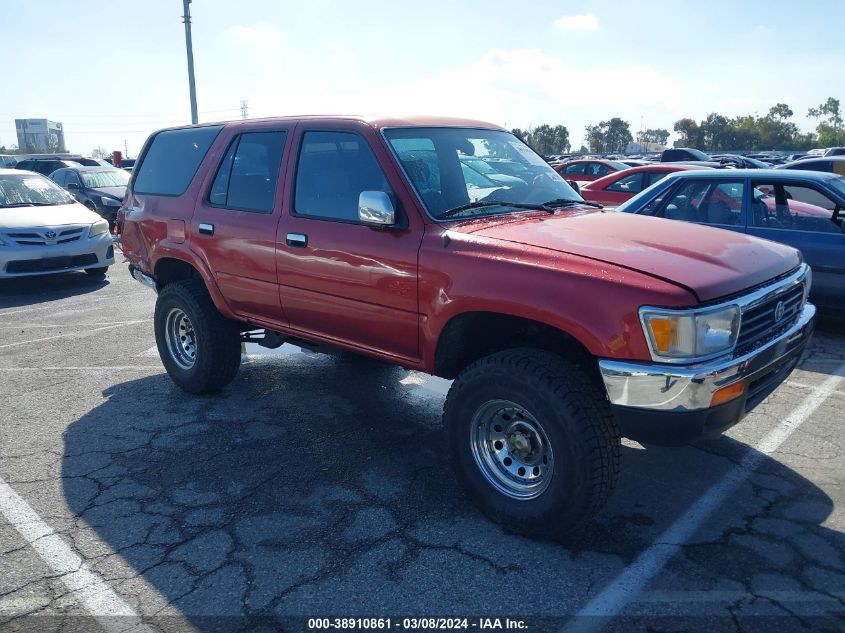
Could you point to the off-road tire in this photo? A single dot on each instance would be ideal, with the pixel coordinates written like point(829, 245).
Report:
point(577, 420)
point(218, 345)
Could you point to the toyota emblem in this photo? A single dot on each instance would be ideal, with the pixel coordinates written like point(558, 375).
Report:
point(779, 310)
point(50, 235)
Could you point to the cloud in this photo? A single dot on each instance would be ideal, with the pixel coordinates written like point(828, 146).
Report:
point(584, 22)
point(516, 87)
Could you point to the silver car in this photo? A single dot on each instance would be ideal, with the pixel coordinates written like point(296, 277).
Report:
point(44, 230)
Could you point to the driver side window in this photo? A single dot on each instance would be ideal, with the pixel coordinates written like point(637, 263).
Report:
point(333, 169)
point(633, 183)
point(793, 207)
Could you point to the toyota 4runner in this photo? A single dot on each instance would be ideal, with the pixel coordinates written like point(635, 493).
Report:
point(563, 327)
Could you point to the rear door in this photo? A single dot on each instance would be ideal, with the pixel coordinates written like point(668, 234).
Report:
point(804, 216)
point(234, 224)
point(340, 280)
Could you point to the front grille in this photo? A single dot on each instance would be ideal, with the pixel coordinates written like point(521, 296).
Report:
point(38, 238)
point(759, 324)
point(49, 264)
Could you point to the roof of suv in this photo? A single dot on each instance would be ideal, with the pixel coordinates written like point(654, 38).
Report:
point(377, 122)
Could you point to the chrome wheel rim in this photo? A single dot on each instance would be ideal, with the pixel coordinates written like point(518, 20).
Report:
point(180, 338)
point(511, 449)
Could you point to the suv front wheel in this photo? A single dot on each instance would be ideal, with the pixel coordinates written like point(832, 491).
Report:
point(533, 439)
point(200, 349)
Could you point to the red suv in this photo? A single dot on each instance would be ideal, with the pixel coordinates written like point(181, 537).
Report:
point(564, 327)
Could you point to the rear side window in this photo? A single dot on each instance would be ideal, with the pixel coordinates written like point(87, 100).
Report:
point(247, 176)
point(172, 160)
point(632, 183)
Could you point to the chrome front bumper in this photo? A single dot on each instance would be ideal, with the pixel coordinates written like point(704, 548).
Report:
point(673, 388)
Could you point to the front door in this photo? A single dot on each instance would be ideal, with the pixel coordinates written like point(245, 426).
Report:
point(338, 279)
point(802, 216)
point(234, 224)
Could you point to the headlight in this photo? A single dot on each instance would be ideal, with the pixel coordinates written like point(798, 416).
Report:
point(98, 228)
point(109, 202)
point(675, 335)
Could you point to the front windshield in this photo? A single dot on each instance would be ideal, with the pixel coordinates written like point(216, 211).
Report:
point(105, 178)
point(30, 190)
point(486, 171)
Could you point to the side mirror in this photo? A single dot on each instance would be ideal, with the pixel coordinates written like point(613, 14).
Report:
point(375, 208)
point(72, 186)
point(574, 185)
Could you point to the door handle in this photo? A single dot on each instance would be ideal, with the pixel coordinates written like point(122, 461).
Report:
point(297, 240)
point(206, 229)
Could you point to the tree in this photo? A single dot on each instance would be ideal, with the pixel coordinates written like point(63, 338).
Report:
point(521, 135)
point(595, 138)
point(716, 132)
point(609, 136)
point(657, 136)
point(689, 132)
point(546, 139)
point(780, 111)
point(829, 130)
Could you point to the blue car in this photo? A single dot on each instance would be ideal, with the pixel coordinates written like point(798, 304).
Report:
point(805, 209)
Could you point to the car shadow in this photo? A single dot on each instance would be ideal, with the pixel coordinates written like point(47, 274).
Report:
point(23, 291)
point(316, 486)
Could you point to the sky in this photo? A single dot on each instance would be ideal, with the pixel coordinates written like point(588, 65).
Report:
point(115, 71)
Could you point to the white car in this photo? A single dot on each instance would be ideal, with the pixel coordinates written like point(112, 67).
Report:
point(44, 230)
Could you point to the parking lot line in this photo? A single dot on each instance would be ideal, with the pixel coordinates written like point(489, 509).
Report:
point(66, 303)
point(85, 368)
point(33, 326)
point(55, 336)
point(93, 593)
point(627, 585)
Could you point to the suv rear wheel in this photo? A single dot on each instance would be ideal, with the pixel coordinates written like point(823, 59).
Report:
point(200, 349)
point(533, 439)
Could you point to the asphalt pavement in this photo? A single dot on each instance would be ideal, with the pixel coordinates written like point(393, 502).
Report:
point(318, 486)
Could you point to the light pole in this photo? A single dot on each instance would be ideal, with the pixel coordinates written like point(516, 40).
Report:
point(187, 20)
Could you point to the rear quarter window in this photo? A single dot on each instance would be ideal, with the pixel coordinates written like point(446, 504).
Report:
point(172, 160)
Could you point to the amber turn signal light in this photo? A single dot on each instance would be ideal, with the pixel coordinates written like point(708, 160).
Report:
point(726, 394)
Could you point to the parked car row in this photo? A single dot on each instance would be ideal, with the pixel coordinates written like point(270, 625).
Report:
point(94, 182)
point(811, 219)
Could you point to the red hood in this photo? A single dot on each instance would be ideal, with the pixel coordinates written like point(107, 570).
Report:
point(710, 262)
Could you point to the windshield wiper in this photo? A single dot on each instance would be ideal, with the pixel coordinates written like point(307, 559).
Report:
point(17, 204)
point(567, 202)
point(480, 205)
